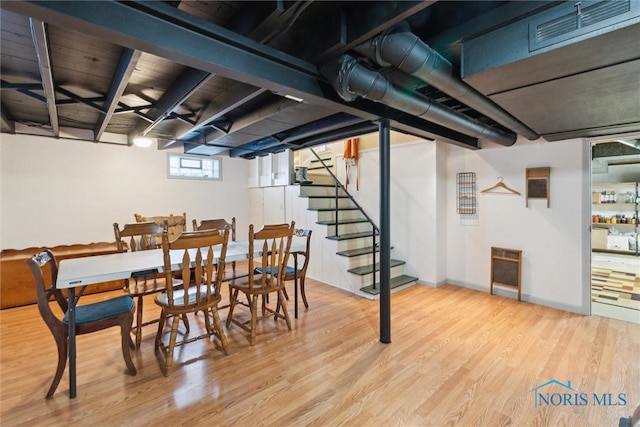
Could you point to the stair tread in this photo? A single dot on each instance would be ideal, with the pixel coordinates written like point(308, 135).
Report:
point(323, 197)
point(311, 184)
point(367, 269)
point(350, 236)
point(349, 208)
point(394, 283)
point(343, 221)
point(359, 251)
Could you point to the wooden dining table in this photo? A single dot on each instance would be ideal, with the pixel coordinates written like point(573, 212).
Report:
point(80, 272)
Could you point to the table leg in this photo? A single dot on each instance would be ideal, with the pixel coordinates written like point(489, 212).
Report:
point(295, 284)
point(72, 343)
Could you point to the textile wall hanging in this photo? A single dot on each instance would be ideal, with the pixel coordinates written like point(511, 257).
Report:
point(350, 157)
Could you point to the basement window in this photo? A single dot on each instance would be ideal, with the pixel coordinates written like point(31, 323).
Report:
point(194, 167)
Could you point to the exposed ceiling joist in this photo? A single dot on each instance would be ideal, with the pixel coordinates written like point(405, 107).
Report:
point(187, 83)
point(268, 109)
point(126, 65)
point(237, 95)
point(40, 40)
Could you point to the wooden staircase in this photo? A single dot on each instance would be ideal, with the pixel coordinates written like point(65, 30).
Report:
point(355, 235)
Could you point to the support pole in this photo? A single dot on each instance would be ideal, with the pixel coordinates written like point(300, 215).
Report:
point(385, 235)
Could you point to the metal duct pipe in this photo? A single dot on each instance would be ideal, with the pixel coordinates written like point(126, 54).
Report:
point(352, 79)
point(405, 51)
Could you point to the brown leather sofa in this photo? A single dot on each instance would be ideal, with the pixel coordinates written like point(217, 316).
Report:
point(17, 285)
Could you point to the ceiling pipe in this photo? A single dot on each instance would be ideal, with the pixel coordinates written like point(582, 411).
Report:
point(351, 79)
point(405, 51)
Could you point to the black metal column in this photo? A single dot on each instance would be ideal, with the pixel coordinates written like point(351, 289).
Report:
point(385, 235)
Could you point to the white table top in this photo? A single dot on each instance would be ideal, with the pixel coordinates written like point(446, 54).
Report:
point(89, 270)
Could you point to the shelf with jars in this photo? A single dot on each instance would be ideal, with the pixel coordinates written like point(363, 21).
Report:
point(615, 217)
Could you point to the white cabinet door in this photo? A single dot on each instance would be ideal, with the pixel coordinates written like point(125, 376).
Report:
point(271, 170)
point(256, 207)
point(266, 170)
point(282, 166)
point(274, 205)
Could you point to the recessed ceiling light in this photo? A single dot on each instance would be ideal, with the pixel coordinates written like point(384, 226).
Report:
point(142, 141)
point(294, 98)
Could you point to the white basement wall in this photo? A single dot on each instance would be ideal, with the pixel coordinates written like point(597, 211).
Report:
point(60, 192)
point(554, 241)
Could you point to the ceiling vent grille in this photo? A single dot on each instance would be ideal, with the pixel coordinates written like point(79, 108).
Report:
point(604, 10)
point(556, 27)
point(573, 19)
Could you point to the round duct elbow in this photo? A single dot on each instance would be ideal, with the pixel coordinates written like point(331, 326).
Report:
point(353, 79)
point(400, 48)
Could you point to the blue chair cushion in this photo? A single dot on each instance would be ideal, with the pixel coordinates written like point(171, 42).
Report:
point(102, 310)
point(289, 270)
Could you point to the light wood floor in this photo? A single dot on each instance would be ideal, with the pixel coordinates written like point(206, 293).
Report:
point(458, 357)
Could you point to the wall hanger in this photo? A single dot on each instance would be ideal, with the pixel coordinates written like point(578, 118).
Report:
point(500, 184)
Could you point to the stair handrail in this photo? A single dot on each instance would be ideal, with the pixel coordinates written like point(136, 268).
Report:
point(360, 208)
point(337, 181)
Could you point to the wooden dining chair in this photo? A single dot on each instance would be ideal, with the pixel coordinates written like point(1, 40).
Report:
point(216, 224)
point(176, 224)
point(273, 242)
point(220, 224)
point(141, 236)
point(89, 318)
point(200, 290)
point(290, 272)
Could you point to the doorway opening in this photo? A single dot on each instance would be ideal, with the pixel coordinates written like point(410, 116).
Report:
point(615, 226)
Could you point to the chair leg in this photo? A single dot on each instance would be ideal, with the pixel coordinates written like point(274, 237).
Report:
point(185, 320)
point(284, 308)
point(233, 297)
point(138, 328)
point(217, 324)
point(207, 323)
point(62, 363)
point(161, 322)
point(285, 293)
point(254, 318)
point(304, 296)
point(172, 344)
point(125, 331)
point(265, 300)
